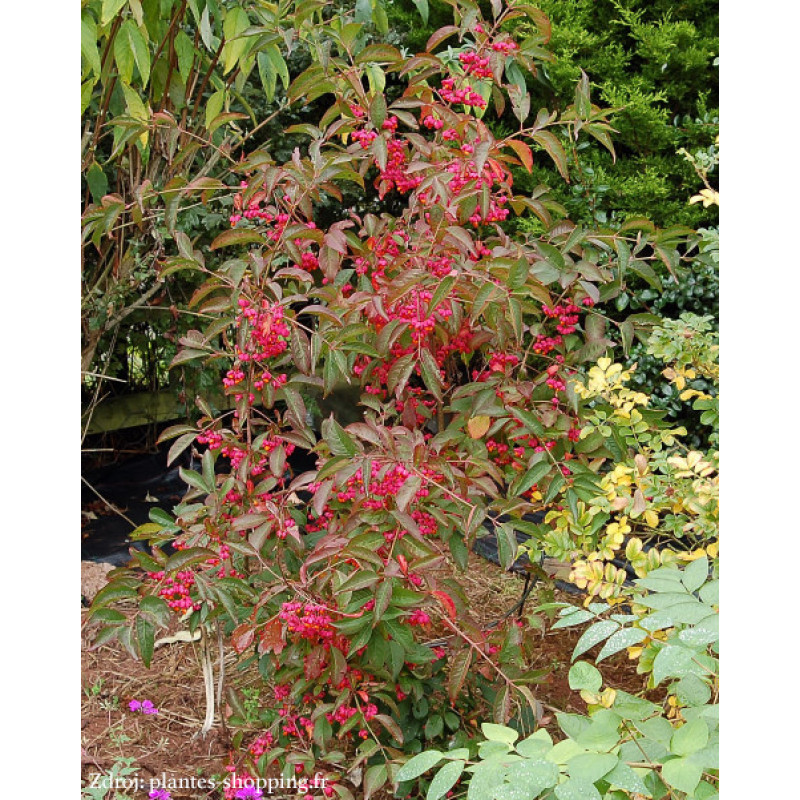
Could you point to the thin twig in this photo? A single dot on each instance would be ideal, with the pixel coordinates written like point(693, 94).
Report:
point(110, 504)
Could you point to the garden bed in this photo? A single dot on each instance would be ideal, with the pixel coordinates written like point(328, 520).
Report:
point(168, 743)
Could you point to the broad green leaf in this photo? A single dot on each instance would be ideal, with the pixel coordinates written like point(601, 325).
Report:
point(97, 182)
point(136, 44)
point(422, 7)
point(89, 46)
point(214, 106)
point(109, 10)
point(627, 637)
point(673, 662)
point(157, 608)
point(444, 780)
point(136, 108)
point(374, 778)
point(623, 777)
point(537, 744)
point(529, 478)
point(533, 776)
point(696, 574)
point(377, 110)
point(573, 789)
point(692, 690)
point(590, 767)
point(418, 764)
point(499, 733)
point(583, 675)
point(682, 774)
point(236, 23)
point(145, 638)
point(184, 49)
point(689, 738)
point(338, 440)
point(183, 558)
point(594, 635)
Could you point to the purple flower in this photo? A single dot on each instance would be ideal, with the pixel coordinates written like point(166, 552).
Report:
point(249, 793)
point(160, 794)
point(145, 706)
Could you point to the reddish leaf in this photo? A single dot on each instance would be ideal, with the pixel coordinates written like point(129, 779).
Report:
point(314, 663)
point(446, 602)
point(271, 640)
point(523, 152)
point(242, 637)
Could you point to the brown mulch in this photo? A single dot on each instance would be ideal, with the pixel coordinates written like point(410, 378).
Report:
point(168, 743)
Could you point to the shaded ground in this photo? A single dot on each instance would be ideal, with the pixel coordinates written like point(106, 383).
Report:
point(167, 742)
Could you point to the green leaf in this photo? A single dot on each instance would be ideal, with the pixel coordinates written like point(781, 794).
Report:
point(184, 48)
point(573, 789)
point(377, 110)
point(145, 637)
point(337, 438)
point(590, 767)
point(627, 637)
point(690, 737)
point(459, 668)
point(434, 726)
point(89, 46)
point(214, 107)
point(532, 776)
point(157, 608)
point(583, 675)
point(555, 150)
point(109, 10)
point(422, 7)
point(623, 777)
point(136, 45)
point(269, 78)
point(673, 662)
point(111, 592)
point(123, 57)
point(97, 182)
point(382, 599)
point(445, 779)
point(594, 635)
point(400, 372)
point(192, 555)
point(236, 23)
point(682, 774)
point(431, 374)
point(360, 579)
point(529, 478)
point(537, 744)
point(236, 236)
point(696, 574)
point(692, 690)
point(529, 420)
point(418, 764)
point(374, 778)
point(136, 108)
point(499, 733)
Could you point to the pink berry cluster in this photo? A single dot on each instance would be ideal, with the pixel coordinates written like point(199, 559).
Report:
point(268, 330)
point(308, 621)
point(465, 95)
point(506, 46)
point(567, 314)
point(475, 64)
point(176, 589)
